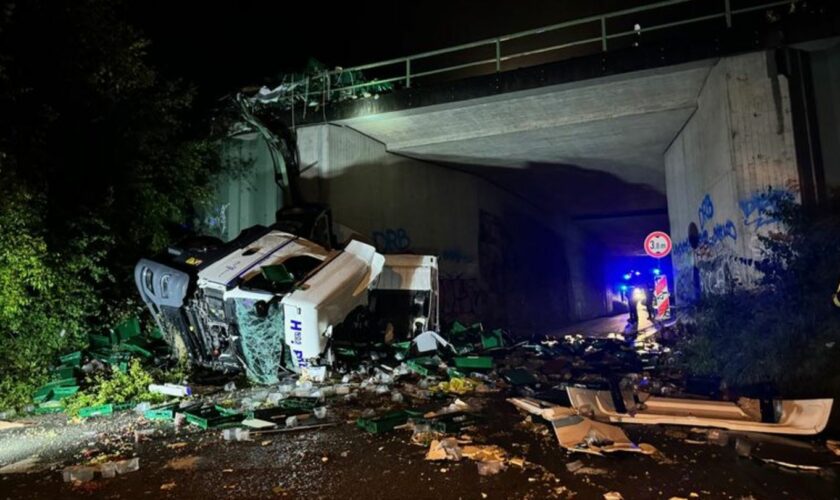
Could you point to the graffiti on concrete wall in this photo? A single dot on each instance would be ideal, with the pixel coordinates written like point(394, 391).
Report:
point(725, 273)
point(462, 297)
point(713, 263)
point(706, 211)
point(760, 209)
point(392, 240)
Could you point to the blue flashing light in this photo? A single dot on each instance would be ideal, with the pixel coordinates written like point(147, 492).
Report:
point(656, 271)
point(638, 273)
point(627, 276)
point(623, 288)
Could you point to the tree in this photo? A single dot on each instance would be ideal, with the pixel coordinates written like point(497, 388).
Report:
point(101, 162)
point(785, 332)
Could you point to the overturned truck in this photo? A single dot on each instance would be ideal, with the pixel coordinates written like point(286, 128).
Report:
point(270, 300)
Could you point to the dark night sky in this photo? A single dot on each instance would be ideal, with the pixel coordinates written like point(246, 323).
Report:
point(224, 46)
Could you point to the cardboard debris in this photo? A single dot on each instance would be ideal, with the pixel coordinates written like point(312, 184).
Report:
point(256, 423)
point(445, 449)
point(580, 434)
point(483, 453)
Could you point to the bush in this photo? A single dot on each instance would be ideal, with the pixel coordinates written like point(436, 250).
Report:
point(101, 162)
point(131, 386)
point(786, 332)
point(46, 298)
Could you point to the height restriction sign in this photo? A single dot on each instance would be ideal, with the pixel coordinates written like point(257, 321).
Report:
point(658, 244)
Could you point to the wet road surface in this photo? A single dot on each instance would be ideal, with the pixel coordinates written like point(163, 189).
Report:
point(346, 462)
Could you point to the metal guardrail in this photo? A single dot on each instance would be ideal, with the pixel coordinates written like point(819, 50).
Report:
point(725, 13)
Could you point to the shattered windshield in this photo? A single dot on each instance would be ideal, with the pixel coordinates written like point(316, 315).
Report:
point(261, 337)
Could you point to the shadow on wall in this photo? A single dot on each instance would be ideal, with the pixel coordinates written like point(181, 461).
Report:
point(498, 266)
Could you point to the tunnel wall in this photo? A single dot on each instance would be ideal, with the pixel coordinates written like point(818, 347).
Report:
point(502, 260)
point(737, 146)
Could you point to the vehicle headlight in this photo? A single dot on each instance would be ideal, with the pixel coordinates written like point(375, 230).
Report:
point(639, 294)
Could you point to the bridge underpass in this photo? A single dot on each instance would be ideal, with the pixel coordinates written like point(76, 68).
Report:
point(529, 195)
point(529, 182)
point(592, 151)
point(553, 184)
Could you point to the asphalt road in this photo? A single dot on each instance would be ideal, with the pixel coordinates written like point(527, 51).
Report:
point(346, 462)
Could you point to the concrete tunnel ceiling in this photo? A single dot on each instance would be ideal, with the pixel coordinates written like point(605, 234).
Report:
point(591, 149)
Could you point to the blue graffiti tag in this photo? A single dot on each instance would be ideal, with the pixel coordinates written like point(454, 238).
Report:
point(759, 209)
point(681, 248)
point(719, 233)
point(708, 238)
point(706, 210)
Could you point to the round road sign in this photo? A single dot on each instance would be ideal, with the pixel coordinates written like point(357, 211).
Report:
point(658, 244)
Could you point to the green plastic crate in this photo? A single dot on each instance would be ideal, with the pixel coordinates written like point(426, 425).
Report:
point(159, 414)
point(207, 418)
point(417, 368)
point(72, 359)
point(278, 274)
point(492, 340)
point(293, 403)
point(124, 406)
point(457, 328)
point(96, 411)
point(127, 329)
point(48, 407)
point(63, 372)
point(474, 362)
point(136, 349)
point(42, 394)
point(99, 341)
point(64, 392)
point(156, 334)
point(402, 347)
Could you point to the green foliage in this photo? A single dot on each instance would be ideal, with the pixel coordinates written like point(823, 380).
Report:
point(129, 387)
point(45, 298)
point(102, 161)
point(786, 332)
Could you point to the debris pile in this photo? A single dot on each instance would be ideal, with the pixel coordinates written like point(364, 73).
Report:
point(112, 350)
point(440, 391)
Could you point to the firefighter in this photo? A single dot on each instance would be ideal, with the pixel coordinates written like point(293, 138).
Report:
point(640, 289)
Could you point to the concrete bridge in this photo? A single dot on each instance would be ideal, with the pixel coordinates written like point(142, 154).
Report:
point(529, 182)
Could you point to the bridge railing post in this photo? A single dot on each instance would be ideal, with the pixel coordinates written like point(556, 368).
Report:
point(728, 8)
point(603, 33)
point(408, 73)
point(498, 55)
